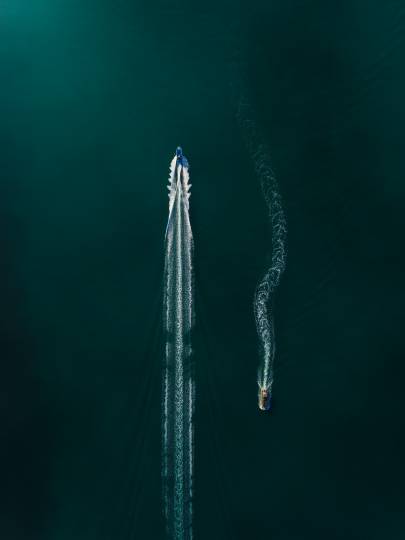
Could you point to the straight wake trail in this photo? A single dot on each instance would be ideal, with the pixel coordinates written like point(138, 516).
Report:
point(178, 374)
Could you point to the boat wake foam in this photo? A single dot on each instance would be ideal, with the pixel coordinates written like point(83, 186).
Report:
point(263, 299)
point(178, 374)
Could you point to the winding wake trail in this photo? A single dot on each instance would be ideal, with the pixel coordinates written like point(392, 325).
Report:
point(178, 376)
point(263, 299)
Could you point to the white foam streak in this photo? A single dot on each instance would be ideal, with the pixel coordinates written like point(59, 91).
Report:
point(271, 279)
point(178, 380)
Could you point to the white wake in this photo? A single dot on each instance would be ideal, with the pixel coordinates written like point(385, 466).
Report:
point(266, 287)
point(178, 377)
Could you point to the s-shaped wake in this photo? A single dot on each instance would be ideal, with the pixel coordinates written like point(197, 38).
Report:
point(263, 298)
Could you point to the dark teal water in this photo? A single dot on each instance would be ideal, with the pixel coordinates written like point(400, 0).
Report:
point(94, 98)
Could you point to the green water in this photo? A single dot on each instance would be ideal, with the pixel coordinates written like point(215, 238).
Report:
point(94, 98)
